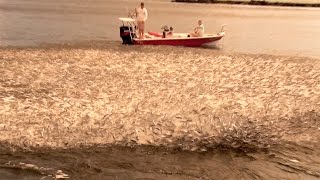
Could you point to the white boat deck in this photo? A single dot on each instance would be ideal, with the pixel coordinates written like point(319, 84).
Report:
point(176, 36)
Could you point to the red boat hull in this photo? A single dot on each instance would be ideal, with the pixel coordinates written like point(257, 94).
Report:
point(191, 41)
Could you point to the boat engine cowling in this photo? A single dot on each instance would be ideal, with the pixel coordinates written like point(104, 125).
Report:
point(126, 34)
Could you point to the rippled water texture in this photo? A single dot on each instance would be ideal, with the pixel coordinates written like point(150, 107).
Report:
point(199, 101)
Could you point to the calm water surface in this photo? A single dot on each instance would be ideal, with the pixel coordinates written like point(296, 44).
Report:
point(251, 29)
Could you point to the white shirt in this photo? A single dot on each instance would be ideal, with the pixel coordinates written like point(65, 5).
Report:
point(201, 29)
point(142, 14)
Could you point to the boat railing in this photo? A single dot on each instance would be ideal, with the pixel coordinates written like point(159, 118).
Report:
point(222, 28)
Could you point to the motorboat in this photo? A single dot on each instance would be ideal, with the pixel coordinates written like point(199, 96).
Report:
point(128, 36)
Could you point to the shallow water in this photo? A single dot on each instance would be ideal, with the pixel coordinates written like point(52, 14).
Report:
point(159, 163)
point(182, 113)
point(201, 114)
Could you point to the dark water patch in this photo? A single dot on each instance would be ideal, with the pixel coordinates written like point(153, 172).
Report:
point(19, 174)
point(142, 162)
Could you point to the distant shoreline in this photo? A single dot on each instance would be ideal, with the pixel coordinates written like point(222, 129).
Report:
point(252, 2)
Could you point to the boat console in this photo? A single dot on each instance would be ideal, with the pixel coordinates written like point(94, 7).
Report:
point(127, 30)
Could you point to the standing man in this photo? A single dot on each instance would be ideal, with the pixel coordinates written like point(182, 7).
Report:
point(142, 15)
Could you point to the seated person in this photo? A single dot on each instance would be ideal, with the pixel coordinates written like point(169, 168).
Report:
point(198, 31)
point(167, 32)
point(170, 33)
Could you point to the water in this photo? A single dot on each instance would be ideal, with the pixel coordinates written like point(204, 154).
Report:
point(165, 112)
point(251, 29)
point(252, 116)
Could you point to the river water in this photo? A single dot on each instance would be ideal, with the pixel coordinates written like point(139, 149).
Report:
point(250, 29)
point(76, 103)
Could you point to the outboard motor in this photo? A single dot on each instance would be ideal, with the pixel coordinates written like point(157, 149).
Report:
point(126, 34)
